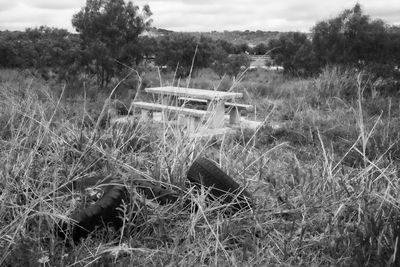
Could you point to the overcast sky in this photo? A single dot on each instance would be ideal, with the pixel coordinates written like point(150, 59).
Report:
point(202, 15)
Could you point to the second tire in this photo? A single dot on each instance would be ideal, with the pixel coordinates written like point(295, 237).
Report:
point(204, 172)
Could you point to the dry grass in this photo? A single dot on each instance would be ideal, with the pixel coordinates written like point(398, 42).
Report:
point(326, 188)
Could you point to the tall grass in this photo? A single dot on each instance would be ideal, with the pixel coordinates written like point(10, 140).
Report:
point(315, 206)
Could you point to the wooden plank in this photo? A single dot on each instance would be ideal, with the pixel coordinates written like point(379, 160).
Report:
point(195, 93)
point(180, 110)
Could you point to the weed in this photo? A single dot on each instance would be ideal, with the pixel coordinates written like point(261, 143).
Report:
point(323, 173)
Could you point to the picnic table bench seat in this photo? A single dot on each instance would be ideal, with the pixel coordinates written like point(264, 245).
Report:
point(248, 108)
point(193, 116)
point(161, 107)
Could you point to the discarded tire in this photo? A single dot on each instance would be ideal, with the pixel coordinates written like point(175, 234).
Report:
point(204, 172)
point(106, 211)
point(156, 192)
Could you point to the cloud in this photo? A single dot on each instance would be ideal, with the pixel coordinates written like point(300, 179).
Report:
point(203, 15)
point(49, 4)
point(283, 15)
point(6, 5)
point(54, 4)
point(22, 16)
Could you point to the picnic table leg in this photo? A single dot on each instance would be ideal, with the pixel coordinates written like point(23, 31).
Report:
point(192, 123)
point(234, 117)
point(218, 109)
point(165, 100)
point(146, 115)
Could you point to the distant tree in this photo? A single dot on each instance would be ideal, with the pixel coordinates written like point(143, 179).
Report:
point(180, 51)
point(148, 46)
point(260, 49)
point(109, 30)
point(8, 52)
point(51, 47)
point(351, 39)
point(241, 48)
point(394, 47)
point(207, 52)
point(231, 64)
point(41, 48)
point(220, 61)
point(176, 51)
point(226, 46)
point(17, 50)
point(236, 63)
point(293, 51)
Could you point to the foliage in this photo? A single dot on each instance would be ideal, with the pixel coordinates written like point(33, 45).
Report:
point(109, 39)
point(353, 39)
point(148, 47)
point(42, 48)
point(180, 52)
point(260, 49)
point(109, 30)
point(177, 52)
point(232, 64)
point(238, 37)
point(226, 46)
point(293, 51)
point(311, 208)
point(335, 82)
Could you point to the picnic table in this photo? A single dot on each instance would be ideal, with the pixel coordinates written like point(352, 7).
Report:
point(216, 101)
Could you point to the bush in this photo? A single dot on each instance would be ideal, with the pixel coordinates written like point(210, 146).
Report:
point(335, 81)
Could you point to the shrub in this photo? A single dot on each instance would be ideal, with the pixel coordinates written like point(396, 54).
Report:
point(335, 81)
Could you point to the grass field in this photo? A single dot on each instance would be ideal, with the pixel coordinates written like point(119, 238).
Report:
point(323, 171)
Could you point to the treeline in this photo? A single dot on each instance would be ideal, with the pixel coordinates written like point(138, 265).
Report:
point(109, 41)
point(104, 54)
point(352, 39)
point(239, 37)
point(182, 53)
point(36, 48)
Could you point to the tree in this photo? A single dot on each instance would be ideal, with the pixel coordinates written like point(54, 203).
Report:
point(394, 47)
point(176, 51)
point(241, 48)
point(148, 46)
point(8, 52)
point(236, 63)
point(226, 46)
point(109, 31)
point(260, 49)
point(231, 64)
point(351, 39)
point(293, 51)
point(179, 51)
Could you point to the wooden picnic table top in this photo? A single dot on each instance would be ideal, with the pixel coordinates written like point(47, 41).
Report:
point(195, 93)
